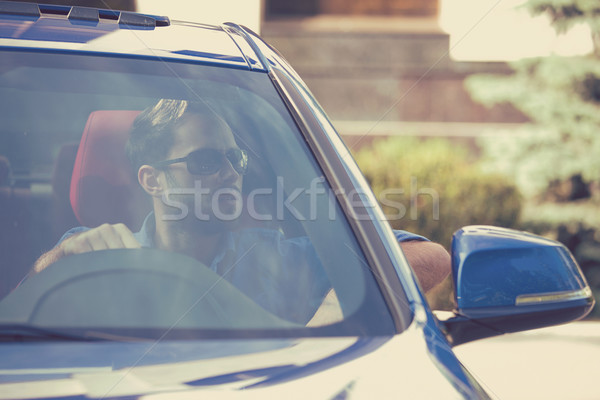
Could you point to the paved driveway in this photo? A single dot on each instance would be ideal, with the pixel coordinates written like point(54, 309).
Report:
point(561, 362)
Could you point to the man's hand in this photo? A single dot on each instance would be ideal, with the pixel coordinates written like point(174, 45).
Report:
point(103, 237)
point(441, 296)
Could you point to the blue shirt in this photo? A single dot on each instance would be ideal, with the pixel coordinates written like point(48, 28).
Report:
point(282, 275)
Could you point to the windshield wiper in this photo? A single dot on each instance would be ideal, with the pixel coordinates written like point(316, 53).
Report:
point(29, 333)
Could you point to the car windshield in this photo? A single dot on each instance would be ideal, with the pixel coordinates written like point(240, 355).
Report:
point(237, 233)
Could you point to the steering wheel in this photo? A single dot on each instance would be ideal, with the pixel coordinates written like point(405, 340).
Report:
point(133, 288)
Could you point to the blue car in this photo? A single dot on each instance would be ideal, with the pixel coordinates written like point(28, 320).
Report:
point(179, 218)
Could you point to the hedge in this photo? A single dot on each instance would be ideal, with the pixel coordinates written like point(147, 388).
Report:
point(433, 187)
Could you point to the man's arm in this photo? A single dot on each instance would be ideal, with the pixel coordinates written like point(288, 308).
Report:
point(432, 265)
point(429, 260)
point(103, 237)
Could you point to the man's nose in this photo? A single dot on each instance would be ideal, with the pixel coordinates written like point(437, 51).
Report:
point(228, 172)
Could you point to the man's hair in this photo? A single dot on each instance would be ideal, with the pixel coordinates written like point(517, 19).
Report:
point(152, 133)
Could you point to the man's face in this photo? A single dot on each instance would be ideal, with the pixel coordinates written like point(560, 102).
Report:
point(216, 196)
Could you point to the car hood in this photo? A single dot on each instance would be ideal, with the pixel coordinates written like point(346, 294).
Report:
point(316, 368)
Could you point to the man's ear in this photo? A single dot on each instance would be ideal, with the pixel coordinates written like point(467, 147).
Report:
point(151, 180)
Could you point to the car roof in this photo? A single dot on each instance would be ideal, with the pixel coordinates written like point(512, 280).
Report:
point(92, 30)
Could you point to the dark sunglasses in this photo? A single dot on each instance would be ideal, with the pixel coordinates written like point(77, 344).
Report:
point(210, 161)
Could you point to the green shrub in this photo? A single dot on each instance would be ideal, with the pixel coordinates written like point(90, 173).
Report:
point(431, 187)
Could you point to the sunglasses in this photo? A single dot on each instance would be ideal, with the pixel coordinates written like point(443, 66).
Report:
point(210, 161)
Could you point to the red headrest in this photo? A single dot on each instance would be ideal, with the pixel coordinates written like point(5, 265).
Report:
point(103, 187)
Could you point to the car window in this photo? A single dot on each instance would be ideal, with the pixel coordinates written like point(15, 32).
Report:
point(279, 255)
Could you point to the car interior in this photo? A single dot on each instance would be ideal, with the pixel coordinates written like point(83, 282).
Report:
point(92, 183)
point(63, 163)
point(93, 193)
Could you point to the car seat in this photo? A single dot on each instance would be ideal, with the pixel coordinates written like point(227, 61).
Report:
point(104, 189)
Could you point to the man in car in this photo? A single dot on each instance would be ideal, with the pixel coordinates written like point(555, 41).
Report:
point(178, 144)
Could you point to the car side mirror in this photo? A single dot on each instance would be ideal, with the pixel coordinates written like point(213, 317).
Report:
point(509, 281)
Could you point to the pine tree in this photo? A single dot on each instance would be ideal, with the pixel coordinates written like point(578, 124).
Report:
point(561, 96)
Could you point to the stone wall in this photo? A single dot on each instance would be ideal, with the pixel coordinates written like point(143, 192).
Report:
point(379, 7)
point(386, 73)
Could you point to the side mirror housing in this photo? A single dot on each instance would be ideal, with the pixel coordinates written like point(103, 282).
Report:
point(509, 281)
